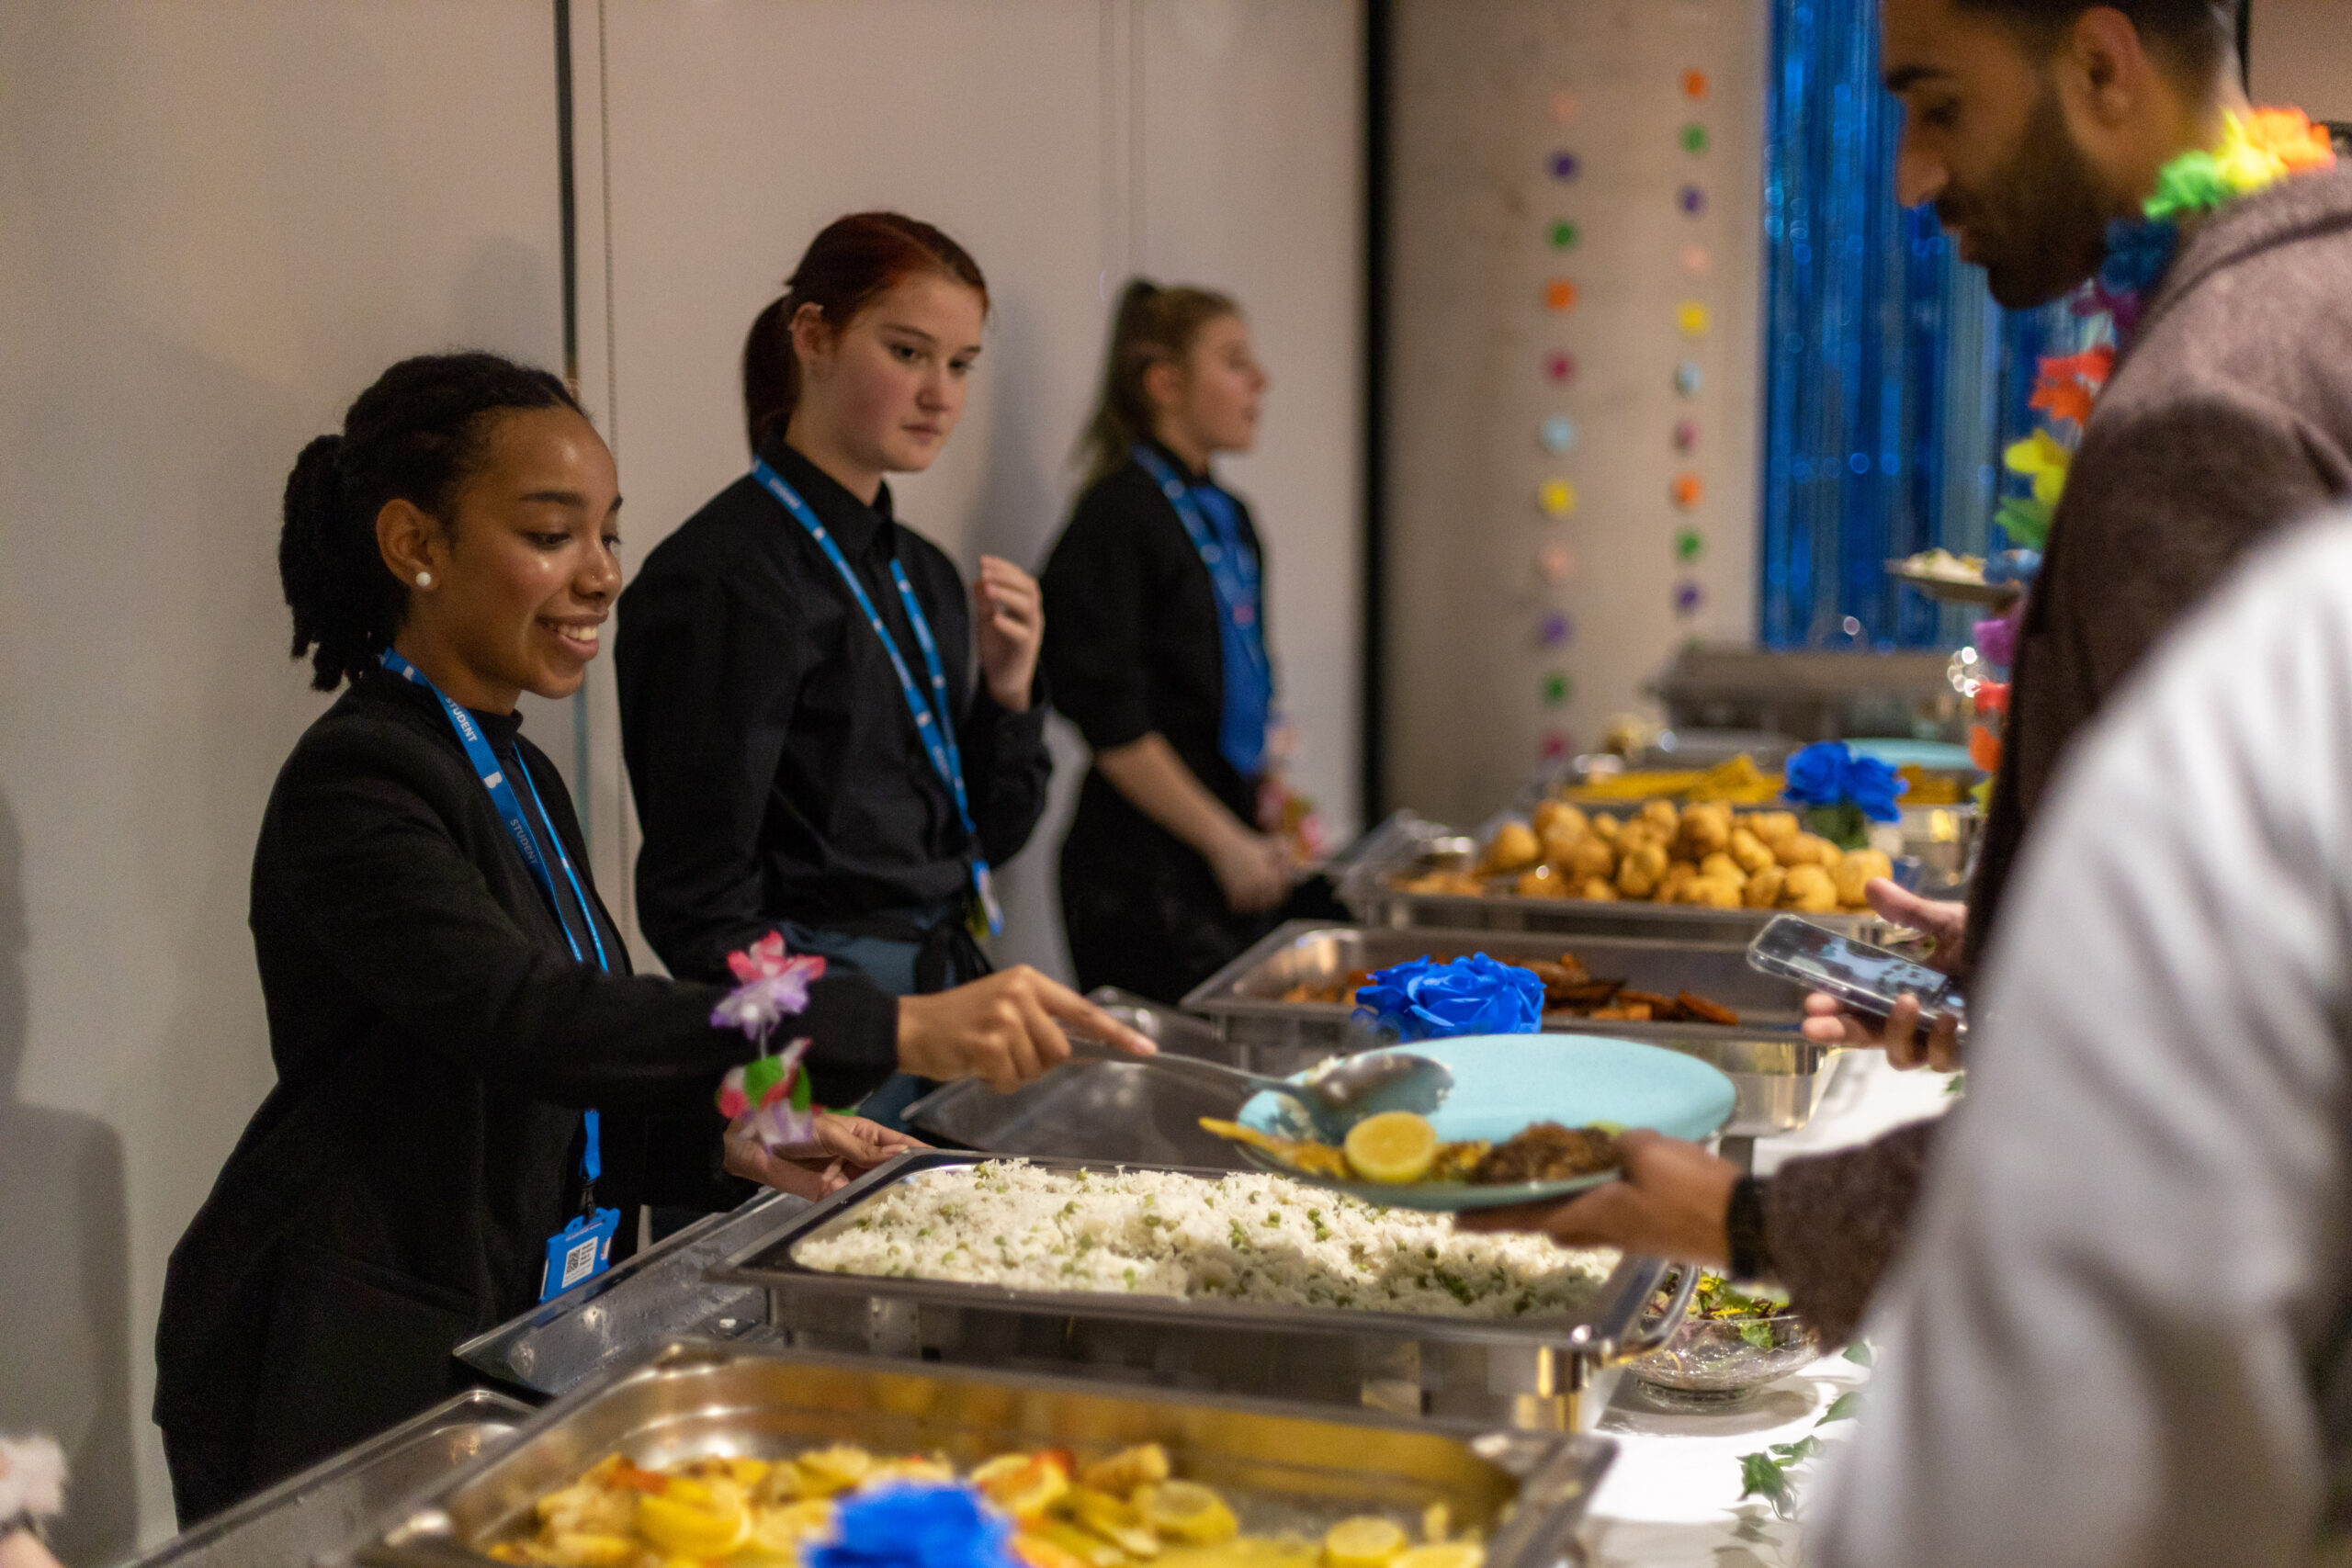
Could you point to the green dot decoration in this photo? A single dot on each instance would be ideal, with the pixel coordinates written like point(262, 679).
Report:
point(1694, 138)
point(1688, 545)
point(1563, 235)
point(1555, 689)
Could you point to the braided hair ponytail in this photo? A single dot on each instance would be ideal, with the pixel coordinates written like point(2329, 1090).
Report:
point(415, 436)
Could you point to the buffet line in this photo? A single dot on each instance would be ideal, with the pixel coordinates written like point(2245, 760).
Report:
point(1385, 1394)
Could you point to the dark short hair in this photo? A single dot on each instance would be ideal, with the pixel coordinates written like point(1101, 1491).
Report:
point(2193, 33)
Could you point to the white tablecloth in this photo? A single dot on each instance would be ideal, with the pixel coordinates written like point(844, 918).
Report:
point(1672, 1498)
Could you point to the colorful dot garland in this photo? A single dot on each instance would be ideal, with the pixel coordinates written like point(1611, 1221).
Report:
point(1557, 433)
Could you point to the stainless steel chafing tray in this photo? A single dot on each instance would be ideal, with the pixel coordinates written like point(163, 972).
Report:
point(1406, 846)
point(1279, 1469)
point(637, 1306)
point(1098, 1110)
point(328, 1509)
point(1780, 1074)
point(1552, 1372)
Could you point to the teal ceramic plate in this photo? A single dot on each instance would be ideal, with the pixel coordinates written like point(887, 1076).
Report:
point(1504, 1082)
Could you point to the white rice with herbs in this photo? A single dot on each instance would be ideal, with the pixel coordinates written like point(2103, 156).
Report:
point(1261, 1239)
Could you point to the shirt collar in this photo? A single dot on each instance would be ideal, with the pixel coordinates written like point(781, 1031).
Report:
point(1195, 477)
point(858, 527)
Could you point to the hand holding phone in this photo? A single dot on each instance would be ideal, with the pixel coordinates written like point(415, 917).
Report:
point(1867, 980)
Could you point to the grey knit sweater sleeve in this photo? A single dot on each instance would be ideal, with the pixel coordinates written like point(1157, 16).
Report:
point(1832, 1221)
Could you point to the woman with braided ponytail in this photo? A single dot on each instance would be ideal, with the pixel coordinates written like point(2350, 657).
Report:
point(448, 997)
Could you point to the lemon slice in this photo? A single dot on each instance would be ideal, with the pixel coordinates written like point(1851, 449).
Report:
point(687, 1520)
point(1395, 1147)
point(1445, 1554)
point(1189, 1512)
point(1364, 1541)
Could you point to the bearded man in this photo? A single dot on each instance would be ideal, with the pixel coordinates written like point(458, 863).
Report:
point(2045, 132)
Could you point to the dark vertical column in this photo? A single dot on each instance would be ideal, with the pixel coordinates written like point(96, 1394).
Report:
point(567, 199)
point(1379, 38)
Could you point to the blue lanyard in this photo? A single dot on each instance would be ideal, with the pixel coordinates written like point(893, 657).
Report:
point(1233, 572)
point(493, 774)
point(933, 724)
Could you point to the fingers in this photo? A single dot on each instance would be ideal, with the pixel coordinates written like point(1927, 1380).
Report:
point(1904, 1049)
point(1048, 1047)
point(1943, 1042)
point(1061, 1002)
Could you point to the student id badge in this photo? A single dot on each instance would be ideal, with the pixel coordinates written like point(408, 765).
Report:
point(581, 1250)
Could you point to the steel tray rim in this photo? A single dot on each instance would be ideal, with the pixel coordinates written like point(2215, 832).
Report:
point(1615, 1321)
point(1553, 1493)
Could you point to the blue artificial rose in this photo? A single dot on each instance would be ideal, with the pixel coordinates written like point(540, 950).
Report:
point(1422, 1000)
point(1817, 774)
point(916, 1527)
point(1872, 786)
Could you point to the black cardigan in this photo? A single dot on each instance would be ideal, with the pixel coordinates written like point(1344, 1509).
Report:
point(434, 1041)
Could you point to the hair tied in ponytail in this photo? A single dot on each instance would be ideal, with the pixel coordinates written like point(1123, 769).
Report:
point(414, 435)
point(1153, 325)
point(853, 262)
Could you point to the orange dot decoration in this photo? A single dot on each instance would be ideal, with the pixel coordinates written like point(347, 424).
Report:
point(1688, 490)
point(1694, 85)
point(1560, 294)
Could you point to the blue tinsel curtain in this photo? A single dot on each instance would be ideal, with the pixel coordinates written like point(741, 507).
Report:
point(1891, 381)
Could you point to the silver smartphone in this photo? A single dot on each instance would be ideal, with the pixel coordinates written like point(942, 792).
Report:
point(1868, 980)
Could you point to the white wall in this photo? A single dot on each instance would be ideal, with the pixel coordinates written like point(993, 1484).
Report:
point(1473, 125)
point(219, 223)
point(1065, 143)
point(2301, 54)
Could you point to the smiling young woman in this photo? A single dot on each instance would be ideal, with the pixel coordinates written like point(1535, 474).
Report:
point(812, 746)
point(445, 993)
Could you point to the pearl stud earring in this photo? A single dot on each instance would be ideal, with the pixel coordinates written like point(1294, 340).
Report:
point(424, 580)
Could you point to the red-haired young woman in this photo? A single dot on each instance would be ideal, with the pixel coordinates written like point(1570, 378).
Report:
point(810, 746)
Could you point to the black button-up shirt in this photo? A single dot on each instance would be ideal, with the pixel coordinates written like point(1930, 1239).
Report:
point(1133, 645)
point(778, 770)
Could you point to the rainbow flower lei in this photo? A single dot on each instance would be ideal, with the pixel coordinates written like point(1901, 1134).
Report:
point(2257, 149)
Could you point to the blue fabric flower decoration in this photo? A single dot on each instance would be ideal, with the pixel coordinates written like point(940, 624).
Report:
point(1422, 1000)
point(916, 1527)
point(1872, 786)
point(2139, 250)
point(1827, 775)
point(1817, 774)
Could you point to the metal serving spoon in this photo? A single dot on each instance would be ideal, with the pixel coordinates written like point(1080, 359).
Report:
point(1335, 1099)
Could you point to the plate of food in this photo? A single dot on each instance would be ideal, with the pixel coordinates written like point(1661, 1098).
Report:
point(1530, 1118)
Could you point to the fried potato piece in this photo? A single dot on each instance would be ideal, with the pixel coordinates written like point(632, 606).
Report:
point(1712, 892)
point(1856, 870)
point(1514, 847)
point(1749, 852)
point(1704, 1011)
point(1605, 827)
point(1805, 849)
point(1809, 891)
point(1557, 815)
point(1775, 827)
point(1542, 882)
point(1639, 872)
point(1704, 831)
point(1662, 816)
point(1598, 890)
point(1720, 866)
point(1679, 876)
point(1587, 858)
point(1763, 889)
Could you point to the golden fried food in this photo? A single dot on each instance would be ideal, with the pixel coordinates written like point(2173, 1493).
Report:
point(1773, 827)
point(1704, 831)
point(1605, 827)
point(1598, 890)
point(1299, 1153)
point(1749, 851)
point(1856, 870)
point(1806, 849)
point(1809, 891)
point(1557, 813)
point(1663, 816)
point(1763, 889)
point(1541, 881)
point(1587, 858)
point(1639, 872)
point(1514, 847)
point(1721, 867)
point(1547, 1151)
point(1713, 892)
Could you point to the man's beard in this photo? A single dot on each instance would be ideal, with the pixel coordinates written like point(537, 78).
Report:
point(2039, 224)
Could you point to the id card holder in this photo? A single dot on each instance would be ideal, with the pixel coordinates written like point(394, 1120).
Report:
point(581, 1250)
point(987, 915)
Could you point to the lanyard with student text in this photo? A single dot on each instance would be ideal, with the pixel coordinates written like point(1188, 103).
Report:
point(933, 725)
point(584, 1247)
